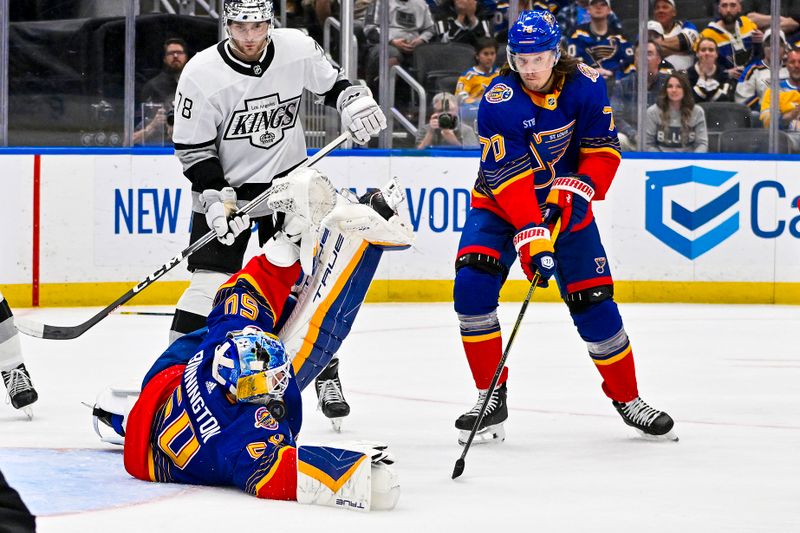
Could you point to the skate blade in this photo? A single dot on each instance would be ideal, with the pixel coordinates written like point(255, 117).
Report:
point(28, 412)
point(488, 435)
point(336, 423)
point(669, 436)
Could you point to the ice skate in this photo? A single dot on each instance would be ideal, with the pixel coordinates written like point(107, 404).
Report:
point(491, 428)
point(650, 423)
point(329, 393)
point(20, 389)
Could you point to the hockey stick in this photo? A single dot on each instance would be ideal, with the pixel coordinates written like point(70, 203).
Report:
point(458, 469)
point(45, 331)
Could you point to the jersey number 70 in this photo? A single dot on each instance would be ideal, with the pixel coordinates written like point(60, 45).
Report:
point(496, 144)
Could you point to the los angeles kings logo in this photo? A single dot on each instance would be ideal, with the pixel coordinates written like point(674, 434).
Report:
point(263, 120)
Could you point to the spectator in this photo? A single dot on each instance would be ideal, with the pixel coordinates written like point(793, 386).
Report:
point(444, 128)
point(738, 39)
point(410, 25)
point(624, 99)
point(158, 94)
point(788, 97)
point(756, 76)
point(758, 12)
point(708, 81)
point(674, 122)
point(474, 81)
point(460, 21)
point(675, 37)
point(498, 11)
point(599, 45)
point(576, 13)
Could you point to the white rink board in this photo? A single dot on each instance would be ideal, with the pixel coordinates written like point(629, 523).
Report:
point(110, 218)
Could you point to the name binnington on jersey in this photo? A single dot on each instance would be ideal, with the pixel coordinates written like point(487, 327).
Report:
point(263, 120)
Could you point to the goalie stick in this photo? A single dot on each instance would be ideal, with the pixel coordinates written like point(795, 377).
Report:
point(45, 331)
point(458, 469)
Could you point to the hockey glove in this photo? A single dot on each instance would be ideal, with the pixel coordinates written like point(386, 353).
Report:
point(536, 252)
point(360, 113)
point(220, 208)
point(571, 197)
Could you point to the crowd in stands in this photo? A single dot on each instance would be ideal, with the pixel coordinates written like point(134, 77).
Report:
point(720, 48)
point(722, 56)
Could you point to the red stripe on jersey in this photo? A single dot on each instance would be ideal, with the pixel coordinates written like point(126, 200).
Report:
point(589, 283)
point(140, 420)
point(274, 282)
point(601, 167)
point(475, 249)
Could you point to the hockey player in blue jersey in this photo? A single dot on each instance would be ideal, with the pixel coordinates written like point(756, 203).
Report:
point(549, 148)
point(222, 406)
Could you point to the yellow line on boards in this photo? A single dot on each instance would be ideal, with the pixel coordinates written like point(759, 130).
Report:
point(382, 291)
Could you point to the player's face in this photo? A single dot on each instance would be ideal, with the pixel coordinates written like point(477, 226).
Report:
point(674, 90)
point(250, 37)
point(664, 13)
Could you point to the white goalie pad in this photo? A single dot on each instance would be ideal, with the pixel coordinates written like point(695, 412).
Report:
point(347, 256)
point(304, 192)
point(345, 478)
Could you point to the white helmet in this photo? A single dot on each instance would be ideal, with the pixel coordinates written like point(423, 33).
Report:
point(248, 11)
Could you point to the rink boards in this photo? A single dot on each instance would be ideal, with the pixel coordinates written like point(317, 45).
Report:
point(81, 227)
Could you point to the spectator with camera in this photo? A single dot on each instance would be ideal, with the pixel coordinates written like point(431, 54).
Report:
point(444, 128)
point(155, 127)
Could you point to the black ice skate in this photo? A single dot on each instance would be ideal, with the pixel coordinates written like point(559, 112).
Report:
point(650, 423)
point(20, 389)
point(491, 428)
point(329, 393)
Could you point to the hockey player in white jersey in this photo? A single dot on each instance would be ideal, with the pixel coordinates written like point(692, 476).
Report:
point(237, 128)
point(12, 367)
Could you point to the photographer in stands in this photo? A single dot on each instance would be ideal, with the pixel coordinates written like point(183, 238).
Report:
point(444, 127)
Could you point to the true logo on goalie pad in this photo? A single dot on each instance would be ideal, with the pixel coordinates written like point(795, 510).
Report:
point(263, 120)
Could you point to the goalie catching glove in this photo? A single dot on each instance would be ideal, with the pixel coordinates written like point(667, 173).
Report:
point(221, 214)
point(536, 253)
point(571, 197)
point(361, 115)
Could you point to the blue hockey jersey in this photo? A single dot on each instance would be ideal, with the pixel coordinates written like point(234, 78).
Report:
point(529, 138)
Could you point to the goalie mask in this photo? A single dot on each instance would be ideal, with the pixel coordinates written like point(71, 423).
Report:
point(245, 11)
point(252, 365)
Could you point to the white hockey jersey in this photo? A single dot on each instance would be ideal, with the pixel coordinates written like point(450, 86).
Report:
point(246, 114)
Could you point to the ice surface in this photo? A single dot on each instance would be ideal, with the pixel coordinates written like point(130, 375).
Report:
point(729, 375)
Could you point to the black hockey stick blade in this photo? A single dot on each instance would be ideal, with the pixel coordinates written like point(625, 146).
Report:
point(45, 331)
point(459, 468)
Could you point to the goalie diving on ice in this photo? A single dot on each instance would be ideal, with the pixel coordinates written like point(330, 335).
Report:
point(232, 389)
